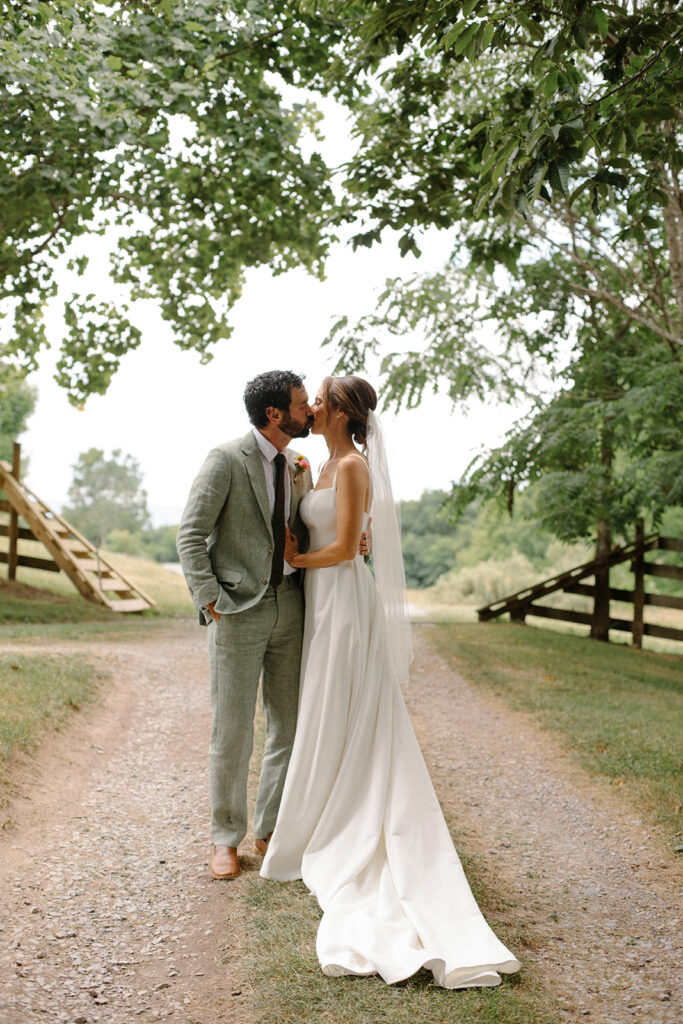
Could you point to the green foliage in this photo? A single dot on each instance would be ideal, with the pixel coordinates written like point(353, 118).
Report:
point(106, 494)
point(494, 105)
point(165, 122)
point(157, 543)
point(37, 692)
point(483, 550)
point(547, 138)
point(17, 402)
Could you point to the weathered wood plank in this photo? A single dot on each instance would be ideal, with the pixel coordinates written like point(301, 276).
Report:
point(117, 586)
point(664, 601)
point(638, 569)
point(561, 581)
point(669, 572)
point(664, 632)
point(564, 614)
point(616, 594)
point(13, 533)
point(22, 532)
point(29, 562)
point(135, 604)
point(670, 544)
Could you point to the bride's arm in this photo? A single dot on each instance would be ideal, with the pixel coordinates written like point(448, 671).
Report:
point(352, 491)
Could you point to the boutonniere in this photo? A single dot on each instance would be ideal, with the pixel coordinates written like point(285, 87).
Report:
point(301, 464)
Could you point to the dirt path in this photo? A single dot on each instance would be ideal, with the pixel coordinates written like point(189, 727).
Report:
point(109, 913)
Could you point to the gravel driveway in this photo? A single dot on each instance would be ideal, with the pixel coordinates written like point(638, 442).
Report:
point(109, 914)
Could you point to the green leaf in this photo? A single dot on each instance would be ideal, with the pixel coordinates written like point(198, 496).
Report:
point(558, 176)
point(536, 179)
point(601, 21)
point(115, 63)
point(550, 84)
point(487, 35)
point(453, 33)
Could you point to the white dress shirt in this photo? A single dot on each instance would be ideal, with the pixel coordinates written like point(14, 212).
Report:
point(268, 452)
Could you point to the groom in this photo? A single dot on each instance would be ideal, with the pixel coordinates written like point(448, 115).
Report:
point(231, 547)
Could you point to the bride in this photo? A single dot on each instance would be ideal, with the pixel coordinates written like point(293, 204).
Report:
point(359, 820)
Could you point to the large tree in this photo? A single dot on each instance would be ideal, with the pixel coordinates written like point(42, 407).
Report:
point(548, 138)
point(106, 494)
point(162, 123)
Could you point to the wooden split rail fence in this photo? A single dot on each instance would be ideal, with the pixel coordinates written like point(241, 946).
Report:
point(523, 602)
point(94, 577)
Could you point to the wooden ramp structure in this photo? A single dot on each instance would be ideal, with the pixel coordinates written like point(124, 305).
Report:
point(524, 602)
point(95, 578)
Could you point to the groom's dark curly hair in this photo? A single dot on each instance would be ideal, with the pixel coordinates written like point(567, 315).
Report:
point(273, 388)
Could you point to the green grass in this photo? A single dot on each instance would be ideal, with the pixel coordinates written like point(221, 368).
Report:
point(45, 597)
point(37, 693)
point(620, 710)
point(289, 977)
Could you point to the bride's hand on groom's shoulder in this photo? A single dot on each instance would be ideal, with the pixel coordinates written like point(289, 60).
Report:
point(291, 546)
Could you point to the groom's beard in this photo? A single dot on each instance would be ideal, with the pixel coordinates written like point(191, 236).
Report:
point(293, 429)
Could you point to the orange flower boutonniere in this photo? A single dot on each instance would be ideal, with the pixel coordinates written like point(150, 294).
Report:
point(300, 466)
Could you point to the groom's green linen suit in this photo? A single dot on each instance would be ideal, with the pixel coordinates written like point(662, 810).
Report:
point(225, 544)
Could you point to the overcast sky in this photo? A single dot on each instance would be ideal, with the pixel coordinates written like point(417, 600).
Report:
point(167, 410)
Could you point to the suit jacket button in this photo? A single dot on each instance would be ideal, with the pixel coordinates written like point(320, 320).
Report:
point(264, 581)
point(270, 551)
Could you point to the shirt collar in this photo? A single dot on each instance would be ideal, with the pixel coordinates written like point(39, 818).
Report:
point(268, 450)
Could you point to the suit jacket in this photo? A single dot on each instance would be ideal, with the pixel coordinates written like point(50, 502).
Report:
point(225, 537)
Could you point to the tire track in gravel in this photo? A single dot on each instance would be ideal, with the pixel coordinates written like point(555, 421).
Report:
point(596, 885)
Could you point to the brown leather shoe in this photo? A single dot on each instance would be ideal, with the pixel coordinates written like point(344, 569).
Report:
point(261, 845)
point(224, 862)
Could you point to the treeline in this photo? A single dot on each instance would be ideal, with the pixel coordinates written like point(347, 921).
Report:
point(487, 553)
point(157, 543)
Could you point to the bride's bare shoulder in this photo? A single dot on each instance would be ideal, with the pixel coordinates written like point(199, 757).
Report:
point(353, 459)
point(353, 471)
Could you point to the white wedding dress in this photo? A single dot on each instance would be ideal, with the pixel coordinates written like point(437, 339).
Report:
point(359, 820)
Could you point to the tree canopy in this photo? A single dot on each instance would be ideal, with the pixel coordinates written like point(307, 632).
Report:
point(164, 122)
point(547, 138)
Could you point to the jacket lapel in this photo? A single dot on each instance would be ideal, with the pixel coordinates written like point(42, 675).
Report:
point(254, 466)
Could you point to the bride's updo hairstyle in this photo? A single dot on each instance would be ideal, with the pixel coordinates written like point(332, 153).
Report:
point(355, 397)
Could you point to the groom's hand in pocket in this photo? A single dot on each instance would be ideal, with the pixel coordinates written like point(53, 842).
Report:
point(214, 614)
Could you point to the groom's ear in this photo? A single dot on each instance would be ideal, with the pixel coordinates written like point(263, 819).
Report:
point(274, 414)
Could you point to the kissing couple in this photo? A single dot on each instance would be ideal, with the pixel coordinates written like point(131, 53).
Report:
point(276, 570)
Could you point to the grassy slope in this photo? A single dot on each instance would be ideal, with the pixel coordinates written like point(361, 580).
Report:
point(51, 597)
point(619, 709)
point(37, 692)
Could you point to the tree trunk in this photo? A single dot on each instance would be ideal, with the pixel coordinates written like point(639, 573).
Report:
point(600, 623)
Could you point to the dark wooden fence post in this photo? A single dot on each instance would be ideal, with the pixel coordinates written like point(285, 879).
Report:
point(12, 554)
point(639, 587)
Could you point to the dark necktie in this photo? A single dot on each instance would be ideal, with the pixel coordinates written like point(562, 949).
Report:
point(279, 522)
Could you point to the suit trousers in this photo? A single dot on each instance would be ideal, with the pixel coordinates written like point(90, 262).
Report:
point(263, 641)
